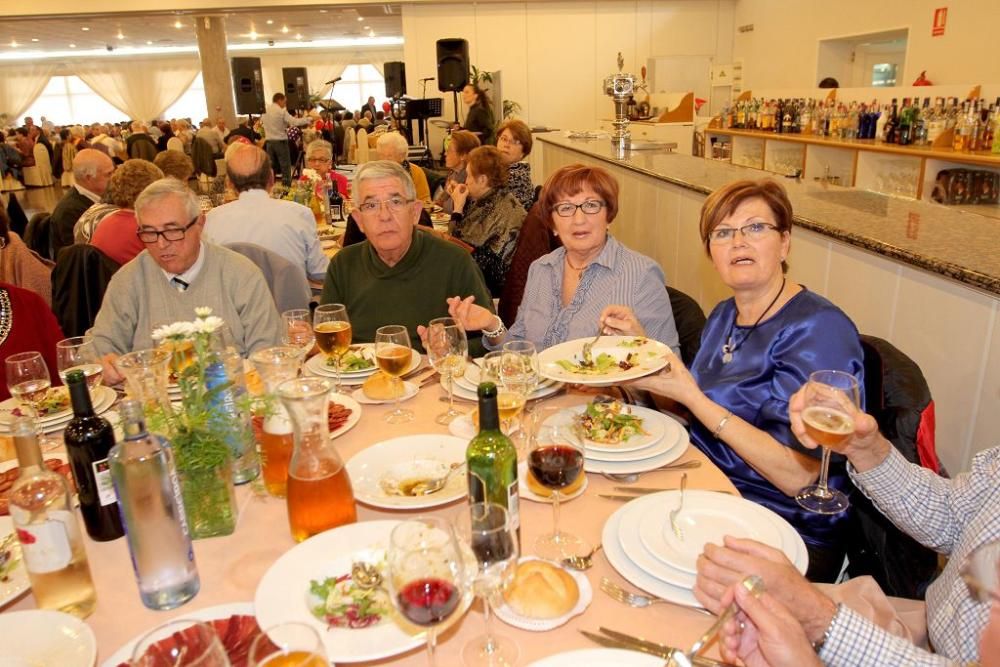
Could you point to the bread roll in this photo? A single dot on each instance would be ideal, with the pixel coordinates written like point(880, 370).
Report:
point(542, 590)
point(6, 448)
point(379, 387)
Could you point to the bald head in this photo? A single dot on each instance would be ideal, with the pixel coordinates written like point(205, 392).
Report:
point(249, 168)
point(92, 170)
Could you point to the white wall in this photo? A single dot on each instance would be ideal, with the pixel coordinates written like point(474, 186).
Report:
point(555, 55)
point(781, 51)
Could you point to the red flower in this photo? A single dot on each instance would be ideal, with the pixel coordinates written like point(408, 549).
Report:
point(25, 537)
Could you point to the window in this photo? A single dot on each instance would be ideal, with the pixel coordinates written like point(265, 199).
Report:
point(884, 74)
point(357, 84)
point(67, 100)
point(191, 104)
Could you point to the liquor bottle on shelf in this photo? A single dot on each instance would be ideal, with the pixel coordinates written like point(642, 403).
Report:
point(891, 125)
point(903, 132)
point(995, 145)
point(89, 438)
point(963, 129)
point(50, 536)
point(491, 460)
point(920, 124)
point(152, 509)
point(937, 122)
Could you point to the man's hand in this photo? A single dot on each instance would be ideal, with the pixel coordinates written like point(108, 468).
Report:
point(111, 375)
point(865, 448)
point(719, 568)
point(763, 633)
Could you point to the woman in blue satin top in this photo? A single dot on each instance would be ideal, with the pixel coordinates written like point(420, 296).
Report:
point(757, 349)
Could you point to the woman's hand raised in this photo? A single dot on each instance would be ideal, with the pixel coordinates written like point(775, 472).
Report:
point(472, 317)
point(618, 320)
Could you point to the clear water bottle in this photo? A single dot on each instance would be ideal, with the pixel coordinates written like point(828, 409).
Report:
point(149, 498)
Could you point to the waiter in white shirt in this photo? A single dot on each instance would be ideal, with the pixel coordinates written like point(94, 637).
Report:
point(276, 122)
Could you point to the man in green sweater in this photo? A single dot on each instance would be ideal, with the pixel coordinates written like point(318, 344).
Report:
point(399, 275)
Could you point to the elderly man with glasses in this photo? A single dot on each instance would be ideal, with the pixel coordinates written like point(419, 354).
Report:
point(400, 274)
point(176, 273)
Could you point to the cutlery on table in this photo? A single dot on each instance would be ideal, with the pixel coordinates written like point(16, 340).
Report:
point(643, 646)
point(752, 583)
point(582, 563)
point(639, 600)
point(633, 477)
point(674, 513)
point(643, 490)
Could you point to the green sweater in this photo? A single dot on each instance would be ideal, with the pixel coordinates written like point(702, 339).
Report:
point(413, 292)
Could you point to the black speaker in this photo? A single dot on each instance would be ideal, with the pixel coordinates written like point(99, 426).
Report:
point(395, 79)
point(453, 64)
point(248, 86)
point(296, 87)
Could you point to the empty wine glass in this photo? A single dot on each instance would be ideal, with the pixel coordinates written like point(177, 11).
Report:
point(979, 571)
point(297, 330)
point(29, 382)
point(332, 330)
point(486, 528)
point(831, 398)
point(427, 579)
point(393, 354)
point(79, 354)
point(447, 349)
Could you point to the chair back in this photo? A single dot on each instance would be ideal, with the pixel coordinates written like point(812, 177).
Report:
point(202, 157)
point(690, 320)
point(38, 236)
point(533, 241)
point(363, 148)
point(79, 280)
point(143, 148)
point(351, 145)
point(15, 214)
point(897, 395)
point(288, 283)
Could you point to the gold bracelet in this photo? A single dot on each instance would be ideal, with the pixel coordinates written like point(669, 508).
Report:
point(722, 424)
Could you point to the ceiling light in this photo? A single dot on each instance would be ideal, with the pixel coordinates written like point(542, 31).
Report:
point(149, 42)
point(120, 35)
point(361, 18)
point(178, 24)
point(14, 44)
point(298, 36)
point(85, 29)
point(270, 21)
point(34, 39)
point(253, 34)
point(367, 27)
point(371, 33)
point(72, 46)
point(284, 29)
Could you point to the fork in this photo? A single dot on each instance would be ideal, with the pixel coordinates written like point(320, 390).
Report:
point(638, 600)
point(588, 357)
point(674, 513)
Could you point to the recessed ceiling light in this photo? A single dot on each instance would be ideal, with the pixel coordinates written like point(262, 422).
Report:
point(72, 46)
point(371, 33)
point(34, 39)
point(361, 18)
point(149, 42)
point(322, 11)
point(120, 35)
point(367, 27)
point(270, 21)
point(14, 44)
point(253, 34)
point(284, 29)
point(298, 36)
point(178, 24)
point(85, 29)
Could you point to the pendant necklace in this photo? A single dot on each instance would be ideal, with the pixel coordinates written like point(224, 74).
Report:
point(579, 271)
point(728, 349)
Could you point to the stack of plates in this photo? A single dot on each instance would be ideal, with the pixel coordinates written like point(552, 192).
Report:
point(465, 386)
point(318, 366)
point(102, 398)
point(642, 547)
point(664, 442)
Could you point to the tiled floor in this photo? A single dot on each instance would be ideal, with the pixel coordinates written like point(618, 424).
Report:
point(33, 200)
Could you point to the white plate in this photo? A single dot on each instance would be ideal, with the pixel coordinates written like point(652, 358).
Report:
point(352, 419)
point(525, 493)
point(367, 468)
point(540, 392)
point(317, 364)
point(599, 657)
point(17, 577)
point(467, 385)
point(506, 614)
point(219, 611)
point(642, 465)
point(102, 398)
point(46, 638)
point(281, 593)
point(462, 427)
point(655, 441)
point(410, 390)
point(653, 356)
point(706, 518)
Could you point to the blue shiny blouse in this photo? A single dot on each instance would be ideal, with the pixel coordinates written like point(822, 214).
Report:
point(807, 334)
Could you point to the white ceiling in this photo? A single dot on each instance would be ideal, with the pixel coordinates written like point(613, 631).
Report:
point(160, 30)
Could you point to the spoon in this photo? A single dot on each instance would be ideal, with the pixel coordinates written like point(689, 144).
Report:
point(582, 562)
point(631, 478)
point(424, 486)
point(365, 575)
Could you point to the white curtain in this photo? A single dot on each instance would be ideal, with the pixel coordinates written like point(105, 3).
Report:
point(20, 85)
point(143, 89)
point(379, 58)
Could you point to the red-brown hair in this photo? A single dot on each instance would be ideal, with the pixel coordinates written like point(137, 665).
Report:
point(486, 161)
point(720, 205)
point(519, 132)
point(571, 180)
point(464, 142)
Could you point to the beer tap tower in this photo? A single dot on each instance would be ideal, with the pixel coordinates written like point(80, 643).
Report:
point(620, 88)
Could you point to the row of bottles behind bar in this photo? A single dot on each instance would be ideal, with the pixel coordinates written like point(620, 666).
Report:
point(974, 123)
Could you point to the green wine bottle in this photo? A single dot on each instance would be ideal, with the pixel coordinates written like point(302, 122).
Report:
point(491, 460)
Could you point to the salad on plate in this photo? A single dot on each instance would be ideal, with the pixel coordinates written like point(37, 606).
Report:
point(341, 603)
point(609, 422)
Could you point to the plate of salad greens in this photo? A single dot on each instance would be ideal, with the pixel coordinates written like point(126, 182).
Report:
point(613, 359)
point(358, 360)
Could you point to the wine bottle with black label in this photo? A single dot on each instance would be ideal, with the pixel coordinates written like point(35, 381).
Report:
point(89, 438)
point(491, 459)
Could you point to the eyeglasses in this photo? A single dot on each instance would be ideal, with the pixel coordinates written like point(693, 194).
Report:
point(753, 231)
point(394, 204)
point(149, 236)
point(568, 209)
point(318, 160)
point(504, 139)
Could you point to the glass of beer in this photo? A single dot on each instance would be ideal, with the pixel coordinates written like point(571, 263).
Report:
point(831, 398)
point(392, 353)
point(333, 334)
point(288, 645)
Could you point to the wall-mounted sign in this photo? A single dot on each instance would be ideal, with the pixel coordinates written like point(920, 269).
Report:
point(940, 19)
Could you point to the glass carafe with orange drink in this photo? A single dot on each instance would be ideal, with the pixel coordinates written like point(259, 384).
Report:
point(333, 334)
point(320, 496)
point(276, 365)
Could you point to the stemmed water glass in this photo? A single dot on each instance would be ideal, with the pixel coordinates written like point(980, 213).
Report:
point(447, 349)
point(297, 330)
point(28, 381)
point(79, 354)
point(333, 333)
point(288, 645)
point(555, 460)
point(427, 578)
point(831, 399)
point(486, 528)
point(393, 353)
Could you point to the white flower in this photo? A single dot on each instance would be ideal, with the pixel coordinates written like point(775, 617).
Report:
point(310, 174)
point(207, 325)
point(203, 311)
point(175, 331)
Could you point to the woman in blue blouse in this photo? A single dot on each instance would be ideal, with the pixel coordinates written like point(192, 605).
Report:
point(568, 290)
point(757, 349)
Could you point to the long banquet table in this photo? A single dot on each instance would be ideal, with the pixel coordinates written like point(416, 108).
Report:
point(230, 567)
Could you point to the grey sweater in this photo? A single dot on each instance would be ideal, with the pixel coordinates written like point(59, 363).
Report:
point(139, 298)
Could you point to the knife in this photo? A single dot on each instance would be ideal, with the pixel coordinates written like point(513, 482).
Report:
point(617, 496)
point(629, 646)
point(643, 490)
point(615, 639)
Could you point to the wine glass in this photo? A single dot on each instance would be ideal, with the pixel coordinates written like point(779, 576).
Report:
point(831, 398)
point(288, 645)
point(333, 334)
point(979, 572)
point(485, 527)
point(392, 352)
point(447, 349)
point(182, 643)
point(427, 581)
point(555, 461)
point(297, 330)
point(79, 354)
point(29, 382)
point(519, 366)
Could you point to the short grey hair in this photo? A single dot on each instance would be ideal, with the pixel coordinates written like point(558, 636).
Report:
point(394, 142)
point(163, 188)
point(378, 169)
point(319, 146)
